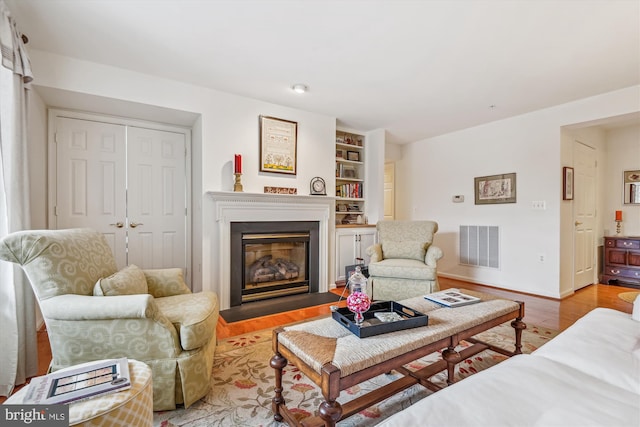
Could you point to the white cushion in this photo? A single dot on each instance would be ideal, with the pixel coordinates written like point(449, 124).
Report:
point(525, 390)
point(601, 344)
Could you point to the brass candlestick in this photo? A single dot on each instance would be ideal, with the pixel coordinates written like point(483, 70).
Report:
point(618, 227)
point(237, 186)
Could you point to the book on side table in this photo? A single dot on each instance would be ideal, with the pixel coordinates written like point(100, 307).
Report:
point(80, 382)
point(451, 298)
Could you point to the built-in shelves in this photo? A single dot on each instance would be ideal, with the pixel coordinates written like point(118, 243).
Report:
point(350, 203)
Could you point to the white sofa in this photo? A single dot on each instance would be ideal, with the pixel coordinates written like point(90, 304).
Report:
point(589, 375)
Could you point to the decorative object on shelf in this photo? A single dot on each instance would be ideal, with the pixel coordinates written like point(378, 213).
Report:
point(631, 187)
point(618, 222)
point(495, 189)
point(567, 183)
point(353, 155)
point(278, 145)
point(358, 302)
point(237, 172)
point(280, 190)
point(317, 187)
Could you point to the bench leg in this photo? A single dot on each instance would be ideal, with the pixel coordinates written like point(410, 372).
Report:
point(330, 412)
point(278, 363)
point(519, 326)
point(452, 357)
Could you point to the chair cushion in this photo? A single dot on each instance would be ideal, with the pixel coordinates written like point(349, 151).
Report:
point(193, 315)
point(410, 249)
point(166, 282)
point(128, 281)
point(402, 269)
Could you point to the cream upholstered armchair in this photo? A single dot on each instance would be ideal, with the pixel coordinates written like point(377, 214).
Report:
point(403, 262)
point(92, 311)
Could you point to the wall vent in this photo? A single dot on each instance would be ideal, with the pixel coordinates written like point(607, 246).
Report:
point(480, 245)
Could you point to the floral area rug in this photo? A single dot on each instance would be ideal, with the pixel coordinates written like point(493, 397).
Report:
point(242, 383)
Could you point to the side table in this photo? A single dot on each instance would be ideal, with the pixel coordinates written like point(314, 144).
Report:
point(132, 407)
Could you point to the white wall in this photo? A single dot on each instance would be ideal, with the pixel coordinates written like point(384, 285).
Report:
point(226, 124)
point(431, 171)
point(428, 173)
point(623, 154)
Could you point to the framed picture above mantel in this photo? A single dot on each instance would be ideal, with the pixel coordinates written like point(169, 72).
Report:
point(278, 145)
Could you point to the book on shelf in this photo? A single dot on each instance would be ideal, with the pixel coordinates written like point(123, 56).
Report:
point(80, 382)
point(352, 191)
point(452, 298)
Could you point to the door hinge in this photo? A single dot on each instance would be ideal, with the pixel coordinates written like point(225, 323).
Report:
point(55, 211)
point(55, 137)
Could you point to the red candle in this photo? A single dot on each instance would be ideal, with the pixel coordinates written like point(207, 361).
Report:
point(618, 215)
point(237, 168)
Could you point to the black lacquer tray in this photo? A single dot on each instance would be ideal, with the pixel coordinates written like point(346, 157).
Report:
point(373, 326)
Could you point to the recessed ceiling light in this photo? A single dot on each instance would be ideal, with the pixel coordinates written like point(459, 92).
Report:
point(299, 88)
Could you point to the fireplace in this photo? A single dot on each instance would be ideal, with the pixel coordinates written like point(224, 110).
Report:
point(226, 208)
point(273, 259)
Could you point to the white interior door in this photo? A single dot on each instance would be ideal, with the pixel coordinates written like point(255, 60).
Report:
point(584, 214)
point(90, 180)
point(127, 182)
point(156, 198)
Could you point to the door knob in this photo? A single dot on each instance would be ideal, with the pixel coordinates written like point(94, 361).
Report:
point(578, 223)
point(118, 224)
point(135, 224)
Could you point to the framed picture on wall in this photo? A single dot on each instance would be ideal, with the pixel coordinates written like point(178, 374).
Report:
point(494, 189)
point(567, 183)
point(278, 145)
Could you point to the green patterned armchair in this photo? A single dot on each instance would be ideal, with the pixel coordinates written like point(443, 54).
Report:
point(403, 262)
point(92, 311)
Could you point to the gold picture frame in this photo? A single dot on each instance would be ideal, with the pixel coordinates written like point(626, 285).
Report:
point(278, 145)
point(494, 189)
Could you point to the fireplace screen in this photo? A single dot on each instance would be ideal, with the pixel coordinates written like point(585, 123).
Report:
point(273, 259)
point(274, 265)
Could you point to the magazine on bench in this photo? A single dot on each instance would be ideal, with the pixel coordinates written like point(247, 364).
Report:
point(452, 298)
point(80, 382)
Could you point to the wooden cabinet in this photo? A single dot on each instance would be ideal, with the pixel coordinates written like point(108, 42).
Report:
point(351, 244)
point(621, 261)
point(350, 164)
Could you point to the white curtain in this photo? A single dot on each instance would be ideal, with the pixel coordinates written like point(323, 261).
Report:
point(18, 341)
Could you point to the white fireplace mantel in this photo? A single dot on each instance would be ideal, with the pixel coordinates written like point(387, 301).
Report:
point(228, 207)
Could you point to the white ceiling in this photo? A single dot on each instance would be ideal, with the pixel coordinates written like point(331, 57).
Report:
point(415, 68)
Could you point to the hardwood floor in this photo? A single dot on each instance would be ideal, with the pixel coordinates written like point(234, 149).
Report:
point(540, 311)
point(548, 312)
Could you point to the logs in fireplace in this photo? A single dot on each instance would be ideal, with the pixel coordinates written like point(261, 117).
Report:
point(273, 259)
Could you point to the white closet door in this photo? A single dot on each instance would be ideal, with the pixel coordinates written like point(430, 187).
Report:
point(156, 198)
point(127, 182)
point(90, 180)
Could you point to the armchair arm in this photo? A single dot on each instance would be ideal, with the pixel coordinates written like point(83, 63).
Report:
point(83, 328)
point(83, 307)
point(375, 252)
point(166, 282)
point(432, 256)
